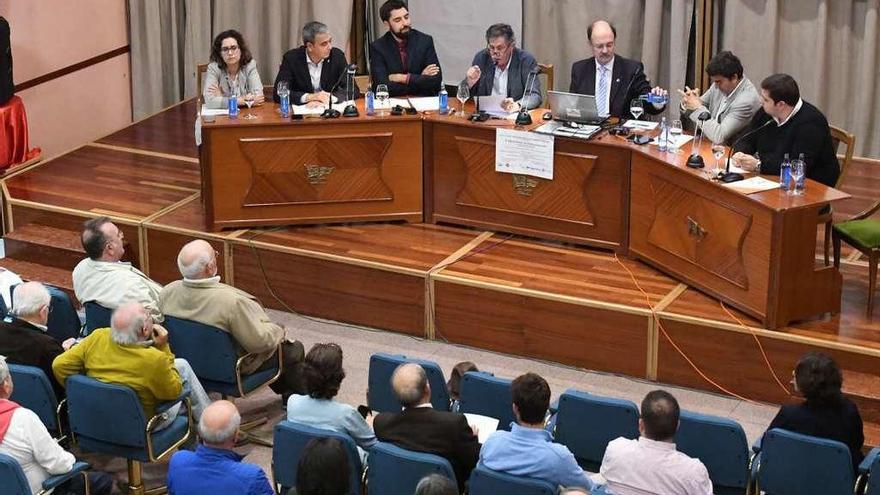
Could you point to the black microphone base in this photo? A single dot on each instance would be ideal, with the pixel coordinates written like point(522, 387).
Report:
point(523, 118)
point(330, 113)
point(350, 111)
point(731, 177)
point(695, 161)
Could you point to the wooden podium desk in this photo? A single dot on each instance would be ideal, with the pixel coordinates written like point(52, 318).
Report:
point(276, 171)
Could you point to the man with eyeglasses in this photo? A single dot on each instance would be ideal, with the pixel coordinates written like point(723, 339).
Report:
point(201, 297)
point(404, 59)
point(502, 69)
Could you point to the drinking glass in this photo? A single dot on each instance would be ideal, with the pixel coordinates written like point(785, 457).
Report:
point(675, 131)
point(636, 108)
point(283, 88)
point(382, 97)
point(249, 101)
point(463, 93)
point(718, 152)
point(797, 173)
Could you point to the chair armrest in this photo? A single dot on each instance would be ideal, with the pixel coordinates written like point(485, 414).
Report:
point(164, 406)
point(865, 466)
point(53, 481)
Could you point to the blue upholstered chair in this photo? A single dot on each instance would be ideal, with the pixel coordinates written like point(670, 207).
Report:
point(63, 321)
point(213, 356)
point(97, 316)
point(721, 445)
point(380, 396)
point(34, 391)
point(585, 423)
point(482, 393)
point(484, 481)
point(794, 464)
point(869, 473)
point(109, 419)
point(290, 439)
point(13, 481)
point(396, 471)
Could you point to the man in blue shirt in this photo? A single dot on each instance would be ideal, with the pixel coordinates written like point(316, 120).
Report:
point(527, 449)
point(214, 467)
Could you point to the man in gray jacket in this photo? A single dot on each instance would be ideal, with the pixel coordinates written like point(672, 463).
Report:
point(503, 69)
point(731, 101)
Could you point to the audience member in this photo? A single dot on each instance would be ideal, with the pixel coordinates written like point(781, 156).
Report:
point(651, 464)
point(214, 467)
point(825, 412)
point(421, 428)
point(313, 69)
point(323, 375)
point(24, 438)
point(404, 59)
point(134, 353)
point(201, 297)
point(323, 469)
point(23, 337)
point(453, 386)
point(436, 484)
point(232, 71)
point(528, 449)
point(105, 279)
point(502, 69)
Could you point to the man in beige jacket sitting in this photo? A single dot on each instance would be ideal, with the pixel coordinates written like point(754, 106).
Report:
point(201, 297)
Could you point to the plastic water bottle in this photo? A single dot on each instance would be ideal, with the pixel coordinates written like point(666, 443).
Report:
point(785, 173)
point(368, 100)
point(233, 106)
point(663, 138)
point(800, 182)
point(444, 100)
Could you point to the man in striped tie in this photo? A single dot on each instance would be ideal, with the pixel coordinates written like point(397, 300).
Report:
point(614, 80)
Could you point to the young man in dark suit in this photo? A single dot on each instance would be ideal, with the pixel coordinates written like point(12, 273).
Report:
point(404, 59)
point(313, 69)
point(613, 80)
point(421, 428)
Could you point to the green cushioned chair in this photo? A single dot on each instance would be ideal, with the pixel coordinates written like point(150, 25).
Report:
point(862, 233)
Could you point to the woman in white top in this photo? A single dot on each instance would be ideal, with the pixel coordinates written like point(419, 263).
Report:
point(232, 71)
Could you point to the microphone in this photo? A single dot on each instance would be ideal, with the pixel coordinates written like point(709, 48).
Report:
point(330, 112)
point(523, 118)
point(729, 176)
point(695, 160)
point(350, 110)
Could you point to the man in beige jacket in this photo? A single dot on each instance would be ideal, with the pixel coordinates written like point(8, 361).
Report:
point(201, 297)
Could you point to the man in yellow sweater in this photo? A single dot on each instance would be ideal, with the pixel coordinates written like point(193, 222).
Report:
point(134, 352)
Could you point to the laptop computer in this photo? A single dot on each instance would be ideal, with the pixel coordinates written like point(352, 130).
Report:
point(573, 107)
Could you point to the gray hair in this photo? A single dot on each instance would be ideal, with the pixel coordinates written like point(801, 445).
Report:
point(129, 334)
point(222, 435)
point(195, 268)
point(4, 370)
point(500, 30)
point(436, 484)
point(29, 298)
point(410, 391)
point(313, 29)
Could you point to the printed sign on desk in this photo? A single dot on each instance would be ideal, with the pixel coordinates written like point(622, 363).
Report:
point(526, 153)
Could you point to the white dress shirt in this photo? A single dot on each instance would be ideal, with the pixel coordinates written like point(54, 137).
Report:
point(499, 85)
point(649, 467)
point(314, 75)
point(39, 456)
point(795, 110)
point(608, 78)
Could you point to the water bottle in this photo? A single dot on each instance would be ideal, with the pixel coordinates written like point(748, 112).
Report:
point(663, 138)
point(800, 181)
point(785, 173)
point(368, 100)
point(233, 106)
point(444, 100)
point(656, 99)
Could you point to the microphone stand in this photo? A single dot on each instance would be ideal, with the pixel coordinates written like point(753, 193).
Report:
point(350, 110)
point(729, 176)
point(330, 112)
point(523, 117)
point(696, 160)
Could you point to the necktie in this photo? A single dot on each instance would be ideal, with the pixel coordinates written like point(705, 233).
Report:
point(601, 98)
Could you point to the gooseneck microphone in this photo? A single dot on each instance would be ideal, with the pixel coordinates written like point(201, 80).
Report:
point(523, 117)
point(330, 112)
point(729, 176)
point(350, 110)
point(695, 160)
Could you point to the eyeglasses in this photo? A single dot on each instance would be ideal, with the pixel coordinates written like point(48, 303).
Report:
point(497, 50)
point(228, 49)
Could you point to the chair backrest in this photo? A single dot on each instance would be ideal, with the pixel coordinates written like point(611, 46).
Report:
point(585, 423)
point(34, 391)
point(396, 471)
point(792, 464)
point(97, 316)
point(484, 481)
point(63, 321)
point(547, 70)
point(873, 472)
point(105, 412)
point(482, 393)
point(210, 351)
point(12, 478)
point(380, 396)
point(720, 444)
point(839, 136)
point(290, 439)
point(201, 69)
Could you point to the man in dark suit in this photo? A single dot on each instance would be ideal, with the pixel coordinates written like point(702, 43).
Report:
point(503, 69)
point(421, 428)
point(23, 337)
point(313, 69)
point(404, 59)
point(613, 80)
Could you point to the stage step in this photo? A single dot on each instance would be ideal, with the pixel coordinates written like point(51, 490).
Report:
point(59, 277)
point(864, 390)
point(45, 245)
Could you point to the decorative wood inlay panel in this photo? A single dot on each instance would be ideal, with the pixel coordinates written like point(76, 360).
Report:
point(316, 169)
point(525, 195)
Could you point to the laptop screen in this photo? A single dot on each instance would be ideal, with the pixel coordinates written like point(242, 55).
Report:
point(573, 107)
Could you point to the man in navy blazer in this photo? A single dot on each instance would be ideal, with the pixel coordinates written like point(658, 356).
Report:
point(313, 69)
point(621, 78)
point(404, 59)
point(503, 69)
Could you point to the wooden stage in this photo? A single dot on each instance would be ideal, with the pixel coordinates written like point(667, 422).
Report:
point(572, 305)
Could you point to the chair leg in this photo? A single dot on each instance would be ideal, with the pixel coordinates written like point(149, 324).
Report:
point(827, 240)
point(249, 437)
point(835, 240)
point(136, 482)
point(872, 280)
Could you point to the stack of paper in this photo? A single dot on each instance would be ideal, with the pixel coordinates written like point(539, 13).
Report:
point(640, 125)
point(485, 425)
point(214, 111)
point(425, 103)
point(753, 185)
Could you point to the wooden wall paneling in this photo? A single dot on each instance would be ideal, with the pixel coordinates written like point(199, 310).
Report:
point(163, 247)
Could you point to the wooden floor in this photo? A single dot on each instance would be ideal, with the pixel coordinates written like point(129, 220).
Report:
point(552, 301)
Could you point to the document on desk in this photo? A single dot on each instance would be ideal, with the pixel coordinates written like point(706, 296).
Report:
point(213, 111)
point(640, 125)
point(425, 103)
point(522, 152)
point(491, 104)
point(402, 102)
point(485, 425)
point(753, 185)
point(307, 110)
